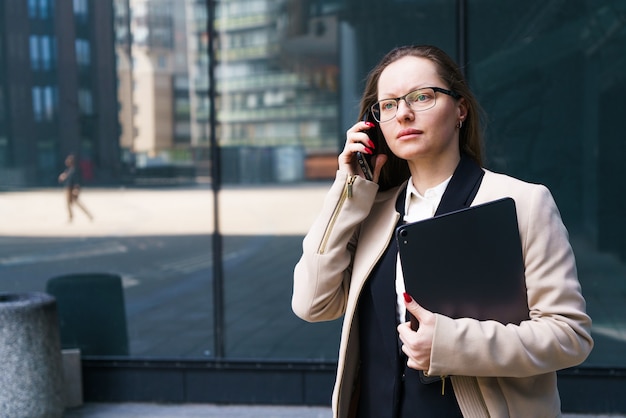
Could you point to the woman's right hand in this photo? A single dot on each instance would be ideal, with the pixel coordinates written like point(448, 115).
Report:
point(358, 140)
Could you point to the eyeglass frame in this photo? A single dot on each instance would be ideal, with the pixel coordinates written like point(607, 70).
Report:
point(450, 93)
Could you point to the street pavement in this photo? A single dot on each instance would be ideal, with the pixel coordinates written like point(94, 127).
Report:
point(162, 211)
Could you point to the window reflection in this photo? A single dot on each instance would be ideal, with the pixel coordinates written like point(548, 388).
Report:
point(46, 53)
point(33, 8)
point(37, 103)
point(34, 52)
point(44, 8)
point(550, 84)
point(83, 52)
point(81, 8)
point(288, 77)
point(276, 70)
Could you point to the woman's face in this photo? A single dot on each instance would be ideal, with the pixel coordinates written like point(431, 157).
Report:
point(426, 135)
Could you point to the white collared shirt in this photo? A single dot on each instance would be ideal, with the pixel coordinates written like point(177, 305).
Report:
point(416, 208)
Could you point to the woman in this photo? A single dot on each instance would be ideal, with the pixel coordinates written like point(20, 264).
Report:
point(426, 140)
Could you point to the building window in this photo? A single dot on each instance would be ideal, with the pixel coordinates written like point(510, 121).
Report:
point(182, 130)
point(37, 105)
point(81, 8)
point(85, 102)
point(35, 63)
point(32, 9)
point(182, 106)
point(46, 52)
point(44, 9)
point(48, 109)
point(83, 51)
point(1, 104)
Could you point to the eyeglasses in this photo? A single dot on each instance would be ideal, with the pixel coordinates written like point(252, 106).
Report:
point(417, 100)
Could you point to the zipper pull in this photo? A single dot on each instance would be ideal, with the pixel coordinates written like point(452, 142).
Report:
point(351, 180)
point(443, 385)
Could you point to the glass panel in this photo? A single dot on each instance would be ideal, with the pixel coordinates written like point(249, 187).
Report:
point(551, 80)
point(143, 219)
point(289, 76)
point(278, 98)
point(170, 313)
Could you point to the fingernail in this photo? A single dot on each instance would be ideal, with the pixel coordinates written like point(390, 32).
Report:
point(371, 144)
point(368, 151)
point(370, 124)
point(407, 298)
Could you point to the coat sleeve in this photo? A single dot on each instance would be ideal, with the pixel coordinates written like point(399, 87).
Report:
point(556, 336)
point(322, 275)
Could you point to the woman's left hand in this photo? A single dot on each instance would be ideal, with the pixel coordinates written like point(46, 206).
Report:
point(417, 344)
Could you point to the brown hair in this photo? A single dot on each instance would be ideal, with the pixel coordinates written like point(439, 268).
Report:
point(396, 170)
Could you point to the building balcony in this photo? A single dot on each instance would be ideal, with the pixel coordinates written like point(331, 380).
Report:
point(234, 23)
point(265, 114)
point(260, 82)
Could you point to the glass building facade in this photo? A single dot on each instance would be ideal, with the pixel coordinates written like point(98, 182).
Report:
point(208, 133)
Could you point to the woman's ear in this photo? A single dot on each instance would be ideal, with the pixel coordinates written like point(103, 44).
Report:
point(462, 109)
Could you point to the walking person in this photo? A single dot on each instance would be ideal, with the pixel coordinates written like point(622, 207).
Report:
point(70, 179)
point(424, 137)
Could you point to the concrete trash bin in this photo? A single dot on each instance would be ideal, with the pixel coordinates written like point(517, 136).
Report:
point(31, 370)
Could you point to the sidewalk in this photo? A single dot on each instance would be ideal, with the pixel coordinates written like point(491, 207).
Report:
point(278, 210)
point(138, 410)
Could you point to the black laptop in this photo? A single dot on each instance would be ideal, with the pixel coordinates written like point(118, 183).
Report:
point(467, 263)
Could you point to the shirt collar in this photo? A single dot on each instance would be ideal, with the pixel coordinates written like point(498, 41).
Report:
point(432, 194)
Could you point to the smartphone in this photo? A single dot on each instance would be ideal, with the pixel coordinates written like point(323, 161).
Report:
point(365, 160)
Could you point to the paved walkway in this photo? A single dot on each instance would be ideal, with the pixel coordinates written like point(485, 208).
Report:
point(134, 410)
point(215, 411)
point(162, 211)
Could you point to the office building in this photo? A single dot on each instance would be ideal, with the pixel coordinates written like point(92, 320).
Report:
point(57, 91)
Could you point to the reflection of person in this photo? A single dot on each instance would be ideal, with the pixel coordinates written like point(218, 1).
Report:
point(428, 161)
point(69, 177)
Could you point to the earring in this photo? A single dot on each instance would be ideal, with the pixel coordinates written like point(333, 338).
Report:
point(460, 124)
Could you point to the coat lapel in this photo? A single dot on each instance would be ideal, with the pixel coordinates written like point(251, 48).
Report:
point(384, 291)
point(463, 186)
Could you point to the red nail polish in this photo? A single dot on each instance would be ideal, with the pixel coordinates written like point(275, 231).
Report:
point(370, 124)
point(371, 144)
point(368, 151)
point(407, 298)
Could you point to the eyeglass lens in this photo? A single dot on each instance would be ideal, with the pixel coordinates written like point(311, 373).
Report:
point(418, 100)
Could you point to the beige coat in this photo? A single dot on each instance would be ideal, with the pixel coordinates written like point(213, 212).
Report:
point(497, 370)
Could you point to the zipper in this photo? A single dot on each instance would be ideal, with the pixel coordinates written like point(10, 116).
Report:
point(443, 382)
point(345, 194)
